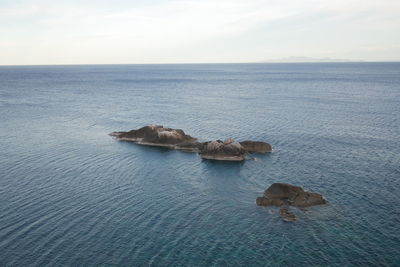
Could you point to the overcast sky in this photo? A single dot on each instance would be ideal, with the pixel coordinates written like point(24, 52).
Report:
point(187, 31)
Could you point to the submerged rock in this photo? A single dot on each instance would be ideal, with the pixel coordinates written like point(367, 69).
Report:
point(227, 150)
point(286, 215)
point(256, 146)
point(155, 135)
point(279, 194)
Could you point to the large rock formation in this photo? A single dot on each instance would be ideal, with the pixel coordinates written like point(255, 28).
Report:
point(157, 135)
point(279, 194)
point(226, 150)
point(256, 146)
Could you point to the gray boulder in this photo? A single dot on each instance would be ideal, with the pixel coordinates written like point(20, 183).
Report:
point(229, 149)
point(279, 194)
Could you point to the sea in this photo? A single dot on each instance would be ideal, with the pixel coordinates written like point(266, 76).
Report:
point(71, 195)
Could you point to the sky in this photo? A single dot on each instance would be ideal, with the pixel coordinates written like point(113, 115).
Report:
point(204, 31)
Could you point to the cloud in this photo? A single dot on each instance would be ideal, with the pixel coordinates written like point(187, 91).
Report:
point(187, 30)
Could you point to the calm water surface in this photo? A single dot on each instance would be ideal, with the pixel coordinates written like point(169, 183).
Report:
point(71, 195)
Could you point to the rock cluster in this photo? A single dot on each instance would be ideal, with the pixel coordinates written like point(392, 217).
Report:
point(280, 194)
point(157, 135)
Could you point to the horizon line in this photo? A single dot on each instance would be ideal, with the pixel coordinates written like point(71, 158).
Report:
point(205, 63)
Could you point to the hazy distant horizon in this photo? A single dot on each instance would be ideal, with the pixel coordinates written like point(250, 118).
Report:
point(44, 32)
point(205, 63)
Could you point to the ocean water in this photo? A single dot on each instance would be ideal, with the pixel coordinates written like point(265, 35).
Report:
point(70, 195)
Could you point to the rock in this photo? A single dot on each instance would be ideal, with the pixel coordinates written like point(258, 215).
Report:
point(286, 215)
point(155, 135)
point(279, 194)
point(227, 150)
point(256, 146)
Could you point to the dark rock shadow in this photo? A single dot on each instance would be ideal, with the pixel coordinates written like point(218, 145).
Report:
point(158, 149)
point(222, 163)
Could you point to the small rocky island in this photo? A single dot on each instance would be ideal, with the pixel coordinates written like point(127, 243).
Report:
point(280, 194)
point(157, 135)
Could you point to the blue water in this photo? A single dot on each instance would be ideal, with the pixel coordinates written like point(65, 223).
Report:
point(71, 195)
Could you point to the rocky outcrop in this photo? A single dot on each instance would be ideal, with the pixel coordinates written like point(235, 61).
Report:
point(256, 146)
point(157, 135)
point(227, 150)
point(279, 194)
point(286, 215)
